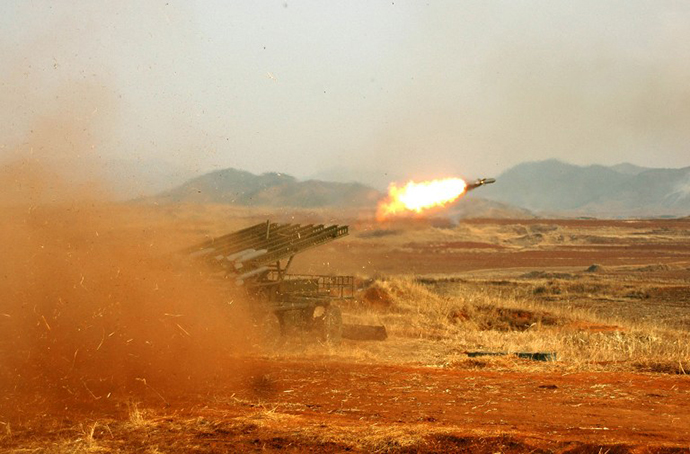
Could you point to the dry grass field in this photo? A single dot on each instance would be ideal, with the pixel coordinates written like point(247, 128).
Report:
point(184, 368)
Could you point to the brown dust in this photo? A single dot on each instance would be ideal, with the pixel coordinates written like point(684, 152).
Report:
point(96, 306)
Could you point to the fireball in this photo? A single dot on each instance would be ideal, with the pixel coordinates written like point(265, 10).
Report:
point(418, 197)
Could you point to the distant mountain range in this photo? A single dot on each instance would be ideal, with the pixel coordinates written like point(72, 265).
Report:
point(555, 188)
point(545, 188)
point(238, 187)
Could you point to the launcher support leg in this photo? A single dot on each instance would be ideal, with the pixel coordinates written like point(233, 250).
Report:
point(281, 273)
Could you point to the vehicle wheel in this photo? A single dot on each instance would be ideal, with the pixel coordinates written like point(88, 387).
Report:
point(268, 330)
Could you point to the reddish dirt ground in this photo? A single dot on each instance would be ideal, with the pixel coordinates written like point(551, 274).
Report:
point(451, 410)
point(680, 223)
point(324, 405)
point(610, 408)
point(627, 248)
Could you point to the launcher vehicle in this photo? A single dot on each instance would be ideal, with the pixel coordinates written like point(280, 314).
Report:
point(258, 258)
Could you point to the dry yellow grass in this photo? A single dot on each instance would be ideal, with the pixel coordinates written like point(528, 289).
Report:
point(436, 326)
point(188, 434)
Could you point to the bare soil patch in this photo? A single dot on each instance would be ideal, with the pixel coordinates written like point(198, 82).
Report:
point(333, 407)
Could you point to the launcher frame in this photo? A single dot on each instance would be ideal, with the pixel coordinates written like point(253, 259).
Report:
point(258, 258)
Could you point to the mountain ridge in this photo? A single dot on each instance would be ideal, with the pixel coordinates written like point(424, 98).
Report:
point(239, 187)
point(544, 188)
point(272, 189)
point(553, 186)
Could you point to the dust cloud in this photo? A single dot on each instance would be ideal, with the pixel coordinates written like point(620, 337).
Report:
point(94, 304)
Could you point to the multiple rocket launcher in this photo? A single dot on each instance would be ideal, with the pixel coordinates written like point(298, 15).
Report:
point(256, 251)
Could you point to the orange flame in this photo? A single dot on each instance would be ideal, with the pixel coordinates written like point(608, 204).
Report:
point(417, 197)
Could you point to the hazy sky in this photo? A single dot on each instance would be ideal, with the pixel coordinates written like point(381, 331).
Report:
point(411, 88)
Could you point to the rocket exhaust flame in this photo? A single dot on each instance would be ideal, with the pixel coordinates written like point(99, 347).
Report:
point(418, 197)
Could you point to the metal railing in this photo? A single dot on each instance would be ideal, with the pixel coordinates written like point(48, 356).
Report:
point(324, 286)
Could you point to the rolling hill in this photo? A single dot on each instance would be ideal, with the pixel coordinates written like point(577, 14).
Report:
point(545, 188)
point(555, 188)
point(237, 187)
